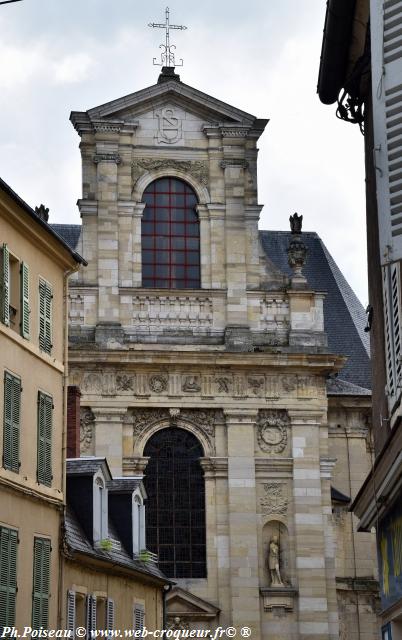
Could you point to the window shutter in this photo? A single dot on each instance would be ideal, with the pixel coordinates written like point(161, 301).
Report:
point(139, 617)
point(45, 316)
point(91, 615)
point(12, 413)
point(71, 612)
point(109, 615)
point(5, 286)
point(393, 330)
point(41, 583)
point(25, 310)
point(386, 52)
point(8, 575)
point(45, 427)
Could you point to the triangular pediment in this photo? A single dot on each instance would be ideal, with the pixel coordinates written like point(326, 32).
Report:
point(184, 604)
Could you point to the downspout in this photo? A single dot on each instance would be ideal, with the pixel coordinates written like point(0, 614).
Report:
point(166, 589)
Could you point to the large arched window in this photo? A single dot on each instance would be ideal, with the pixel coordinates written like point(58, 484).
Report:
point(175, 513)
point(170, 236)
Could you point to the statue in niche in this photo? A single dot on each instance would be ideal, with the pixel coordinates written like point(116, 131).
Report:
point(273, 563)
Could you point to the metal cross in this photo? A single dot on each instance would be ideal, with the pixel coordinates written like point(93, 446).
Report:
point(167, 56)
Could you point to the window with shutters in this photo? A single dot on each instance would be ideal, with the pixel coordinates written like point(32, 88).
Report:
point(138, 617)
point(44, 445)
point(41, 583)
point(11, 422)
point(170, 236)
point(91, 616)
point(14, 293)
point(71, 613)
point(109, 616)
point(393, 330)
point(45, 316)
point(8, 575)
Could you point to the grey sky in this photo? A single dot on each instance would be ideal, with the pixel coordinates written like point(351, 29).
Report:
point(261, 56)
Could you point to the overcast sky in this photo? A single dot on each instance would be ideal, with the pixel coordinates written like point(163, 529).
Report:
point(261, 56)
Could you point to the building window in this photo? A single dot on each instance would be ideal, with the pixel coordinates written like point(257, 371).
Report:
point(170, 236)
point(45, 316)
point(41, 583)
point(175, 514)
point(14, 293)
point(91, 616)
point(8, 576)
point(100, 510)
point(138, 617)
point(11, 424)
point(45, 428)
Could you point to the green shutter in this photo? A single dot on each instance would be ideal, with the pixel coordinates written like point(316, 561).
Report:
point(25, 310)
point(45, 428)
point(12, 417)
point(8, 576)
point(5, 286)
point(41, 584)
point(45, 316)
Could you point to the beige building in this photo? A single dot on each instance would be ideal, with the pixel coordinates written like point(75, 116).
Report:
point(205, 351)
point(35, 265)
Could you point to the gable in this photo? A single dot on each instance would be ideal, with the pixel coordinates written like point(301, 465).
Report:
point(183, 603)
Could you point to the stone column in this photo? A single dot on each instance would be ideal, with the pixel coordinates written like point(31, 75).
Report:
point(243, 541)
point(137, 255)
point(109, 437)
point(316, 614)
point(205, 246)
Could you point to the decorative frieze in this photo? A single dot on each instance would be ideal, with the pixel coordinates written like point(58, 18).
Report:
point(198, 169)
point(107, 157)
point(272, 431)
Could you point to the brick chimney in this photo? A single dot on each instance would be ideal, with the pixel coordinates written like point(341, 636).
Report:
point(73, 422)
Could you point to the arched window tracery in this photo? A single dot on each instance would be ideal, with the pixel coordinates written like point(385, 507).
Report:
point(170, 236)
point(175, 514)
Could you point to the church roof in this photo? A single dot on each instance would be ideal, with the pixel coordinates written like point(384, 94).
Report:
point(344, 314)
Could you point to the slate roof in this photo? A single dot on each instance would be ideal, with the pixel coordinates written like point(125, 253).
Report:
point(338, 496)
point(86, 466)
point(124, 485)
point(344, 315)
point(78, 542)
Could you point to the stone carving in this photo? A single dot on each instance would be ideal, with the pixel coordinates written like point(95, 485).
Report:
point(239, 132)
point(196, 168)
point(273, 563)
point(191, 383)
point(157, 383)
point(201, 420)
point(87, 420)
point(169, 126)
point(256, 384)
point(177, 624)
point(92, 383)
point(272, 434)
point(107, 157)
point(104, 126)
point(147, 418)
point(296, 222)
point(275, 501)
point(289, 383)
point(223, 384)
point(124, 383)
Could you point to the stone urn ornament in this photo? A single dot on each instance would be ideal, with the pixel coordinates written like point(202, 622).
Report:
point(297, 252)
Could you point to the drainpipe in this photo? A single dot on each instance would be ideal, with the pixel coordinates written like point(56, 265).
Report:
point(166, 590)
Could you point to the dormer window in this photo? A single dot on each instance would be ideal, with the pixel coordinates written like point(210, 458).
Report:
point(138, 523)
point(100, 509)
point(170, 236)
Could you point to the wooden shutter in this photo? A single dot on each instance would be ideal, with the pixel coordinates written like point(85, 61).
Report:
point(386, 52)
point(109, 615)
point(8, 576)
point(45, 428)
point(24, 291)
point(45, 316)
point(5, 286)
point(41, 583)
point(393, 330)
point(139, 617)
point(91, 616)
point(12, 417)
point(71, 612)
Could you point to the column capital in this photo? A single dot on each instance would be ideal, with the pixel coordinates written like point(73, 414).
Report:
point(238, 416)
point(305, 416)
point(214, 467)
point(135, 465)
point(108, 414)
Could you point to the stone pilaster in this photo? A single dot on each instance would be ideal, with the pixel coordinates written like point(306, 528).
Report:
point(316, 613)
point(109, 437)
point(243, 542)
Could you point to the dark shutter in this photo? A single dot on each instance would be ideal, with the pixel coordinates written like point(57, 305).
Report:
point(24, 290)
point(5, 286)
point(12, 417)
point(45, 316)
point(8, 576)
point(41, 583)
point(44, 454)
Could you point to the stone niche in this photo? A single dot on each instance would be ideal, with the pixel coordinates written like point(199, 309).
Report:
point(277, 598)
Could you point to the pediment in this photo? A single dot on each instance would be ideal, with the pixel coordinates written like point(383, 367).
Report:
point(184, 604)
point(146, 103)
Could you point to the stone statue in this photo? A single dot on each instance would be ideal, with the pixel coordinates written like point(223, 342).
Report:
point(296, 223)
point(273, 563)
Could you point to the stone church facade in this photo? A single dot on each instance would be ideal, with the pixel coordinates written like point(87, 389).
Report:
point(204, 364)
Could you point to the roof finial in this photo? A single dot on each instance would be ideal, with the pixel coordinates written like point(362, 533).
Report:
point(167, 56)
point(297, 252)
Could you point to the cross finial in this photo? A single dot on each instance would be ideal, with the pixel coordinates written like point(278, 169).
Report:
point(167, 56)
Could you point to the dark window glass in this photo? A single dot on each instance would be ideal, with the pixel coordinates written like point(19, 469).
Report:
point(176, 514)
point(170, 236)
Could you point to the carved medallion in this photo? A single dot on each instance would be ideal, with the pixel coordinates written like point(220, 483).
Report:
point(272, 434)
point(124, 383)
point(223, 383)
point(157, 383)
point(191, 383)
point(275, 501)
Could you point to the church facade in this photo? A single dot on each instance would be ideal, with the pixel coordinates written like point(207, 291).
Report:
point(208, 365)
